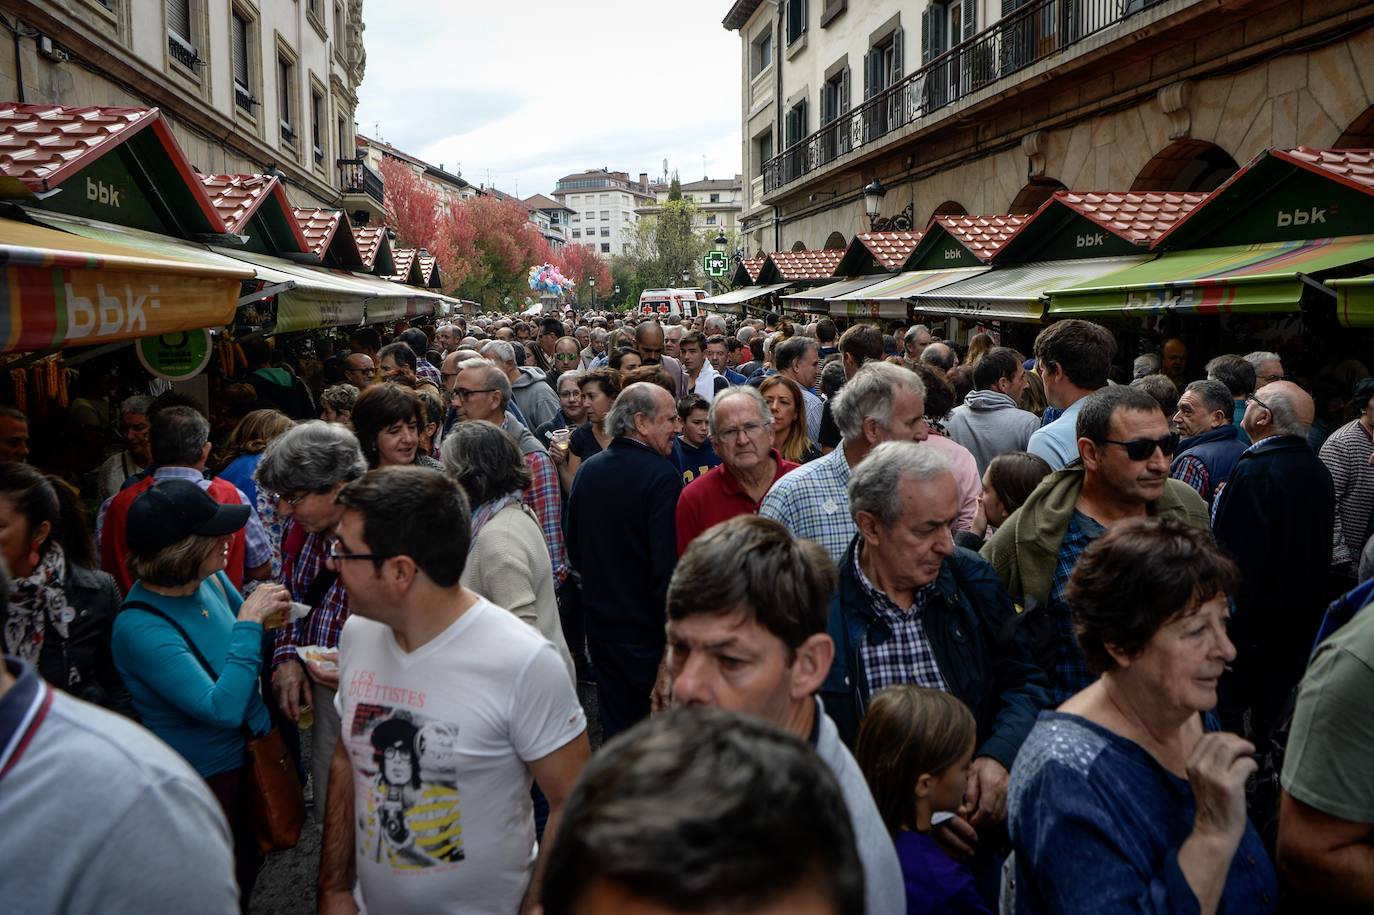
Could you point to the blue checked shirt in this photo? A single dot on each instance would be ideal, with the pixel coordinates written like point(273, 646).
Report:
point(1070, 670)
point(813, 502)
point(814, 408)
point(905, 656)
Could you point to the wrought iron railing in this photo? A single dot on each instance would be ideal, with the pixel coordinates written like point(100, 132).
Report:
point(356, 178)
point(1025, 36)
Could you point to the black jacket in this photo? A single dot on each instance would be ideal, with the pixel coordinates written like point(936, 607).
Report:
point(983, 656)
point(622, 538)
point(82, 663)
point(1275, 517)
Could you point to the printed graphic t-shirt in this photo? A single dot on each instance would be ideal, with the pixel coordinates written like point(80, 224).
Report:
point(439, 739)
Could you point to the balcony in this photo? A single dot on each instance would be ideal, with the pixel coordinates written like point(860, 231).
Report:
point(1024, 37)
point(364, 195)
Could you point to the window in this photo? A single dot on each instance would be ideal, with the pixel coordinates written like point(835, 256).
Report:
point(714, 198)
point(576, 218)
point(835, 96)
point(317, 125)
point(761, 53)
point(763, 149)
point(243, 92)
point(795, 124)
point(605, 231)
point(589, 216)
point(343, 151)
point(179, 43)
point(605, 247)
point(832, 9)
point(796, 20)
point(577, 233)
point(605, 214)
point(286, 74)
point(883, 64)
point(711, 220)
point(605, 198)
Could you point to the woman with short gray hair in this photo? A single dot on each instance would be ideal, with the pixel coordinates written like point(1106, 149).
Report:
point(508, 561)
point(336, 403)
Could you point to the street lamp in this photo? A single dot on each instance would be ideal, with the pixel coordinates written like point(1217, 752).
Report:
point(873, 198)
point(591, 281)
point(686, 277)
point(874, 192)
point(722, 242)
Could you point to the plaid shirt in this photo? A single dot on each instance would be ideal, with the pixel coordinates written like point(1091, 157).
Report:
point(426, 372)
point(905, 656)
point(545, 499)
point(1192, 471)
point(814, 408)
point(326, 620)
point(813, 502)
point(1070, 670)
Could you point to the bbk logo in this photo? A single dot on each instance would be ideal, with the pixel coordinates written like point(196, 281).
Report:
point(1309, 217)
point(1091, 240)
point(953, 254)
point(100, 192)
point(108, 314)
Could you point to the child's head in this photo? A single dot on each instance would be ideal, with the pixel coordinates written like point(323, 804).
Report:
point(915, 746)
point(694, 411)
point(1008, 482)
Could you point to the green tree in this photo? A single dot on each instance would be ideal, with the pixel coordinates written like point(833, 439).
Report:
point(662, 247)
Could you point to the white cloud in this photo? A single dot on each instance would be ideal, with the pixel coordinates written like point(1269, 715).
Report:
point(530, 90)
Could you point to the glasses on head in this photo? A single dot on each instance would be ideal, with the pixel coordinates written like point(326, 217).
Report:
point(1141, 449)
point(748, 430)
point(465, 393)
point(337, 556)
point(1251, 398)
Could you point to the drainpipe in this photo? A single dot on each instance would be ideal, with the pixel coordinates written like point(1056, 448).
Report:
point(779, 54)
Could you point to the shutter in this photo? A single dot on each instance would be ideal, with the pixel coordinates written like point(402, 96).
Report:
point(240, 39)
point(868, 74)
point(927, 34)
point(970, 10)
point(803, 120)
point(790, 128)
point(179, 19)
point(844, 90)
point(897, 66)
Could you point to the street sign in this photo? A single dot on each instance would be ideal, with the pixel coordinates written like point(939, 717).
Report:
point(716, 264)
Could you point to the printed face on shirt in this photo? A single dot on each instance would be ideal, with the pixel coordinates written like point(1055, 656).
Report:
point(911, 550)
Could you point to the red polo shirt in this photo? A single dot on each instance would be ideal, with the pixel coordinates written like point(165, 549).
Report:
point(714, 497)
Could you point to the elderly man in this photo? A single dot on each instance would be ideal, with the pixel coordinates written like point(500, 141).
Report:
point(1276, 518)
point(747, 633)
point(137, 454)
point(799, 358)
point(1125, 445)
point(1210, 445)
point(913, 608)
point(742, 430)
point(359, 370)
point(990, 421)
point(1268, 367)
point(882, 402)
point(940, 355)
point(622, 538)
point(915, 340)
point(672, 340)
point(447, 336)
point(1073, 358)
point(649, 343)
point(304, 469)
point(536, 401)
point(596, 347)
point(1239, 377)
point(482, 391)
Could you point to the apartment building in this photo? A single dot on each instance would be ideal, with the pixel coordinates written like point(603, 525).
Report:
point(551, 218)
point(603, 205)
point(449, 186)
point(989, 106)
point(246, 85)
point(719, 202)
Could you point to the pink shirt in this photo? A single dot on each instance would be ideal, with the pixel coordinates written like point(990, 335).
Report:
point(965, 470)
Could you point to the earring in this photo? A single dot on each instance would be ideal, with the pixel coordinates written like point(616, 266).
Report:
point(33, 557)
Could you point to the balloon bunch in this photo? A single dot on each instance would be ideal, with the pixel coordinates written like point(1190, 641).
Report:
point(547, 278)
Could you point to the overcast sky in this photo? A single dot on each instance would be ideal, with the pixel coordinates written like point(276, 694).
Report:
point(531, 90)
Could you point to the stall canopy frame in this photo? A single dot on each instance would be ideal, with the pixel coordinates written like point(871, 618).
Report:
point(1017, 293)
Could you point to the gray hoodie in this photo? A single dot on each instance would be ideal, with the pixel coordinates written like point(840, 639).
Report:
point(532, 394)
point(989, 423)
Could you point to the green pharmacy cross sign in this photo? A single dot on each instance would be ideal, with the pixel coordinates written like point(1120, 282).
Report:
point(716, 264)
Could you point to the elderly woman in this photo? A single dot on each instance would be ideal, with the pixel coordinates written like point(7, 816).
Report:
point(388, 419)
point(572, 411)
point(182, 609)
point(61, 606)
point(1127, 799)
point(336, 403)
point(600, 388)
point(507, 562)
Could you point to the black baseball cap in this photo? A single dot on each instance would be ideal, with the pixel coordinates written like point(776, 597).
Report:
point(173, 510)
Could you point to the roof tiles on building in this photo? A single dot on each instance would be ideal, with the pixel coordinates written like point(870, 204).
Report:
point(890, 249)
point(1354, 166)
point(1138, 217)
point(43, 144)
point(237, 197)
point(403, 258)
point(427, 263)
point(752, 266)
point(319, 227)
point(982, 235)
point(369, 241)
point(807, 265)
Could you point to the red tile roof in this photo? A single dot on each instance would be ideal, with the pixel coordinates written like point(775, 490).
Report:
point(42, 145)
point(807, 265)
point(427, 264)
point(369, 240)
point(752, 266)
point(1138, 217)
point(319, 227)
point(237, 197)
point(982, 235)
point(890, 249)
point(1352, 166)
point(403, 258)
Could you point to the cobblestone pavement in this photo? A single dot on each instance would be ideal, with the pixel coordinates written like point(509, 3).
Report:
point(286, 884)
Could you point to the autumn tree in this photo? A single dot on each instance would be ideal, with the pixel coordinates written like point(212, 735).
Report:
point(580, 263)
point(414, 205)
point(505, 246)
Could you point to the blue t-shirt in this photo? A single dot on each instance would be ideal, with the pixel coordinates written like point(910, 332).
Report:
point(936, 884)
point(694, 461)
point(240, 472)
point(1097, 823)
point(175, 698)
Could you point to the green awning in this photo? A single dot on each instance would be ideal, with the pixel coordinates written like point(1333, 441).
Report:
point(889, 299)
point(1016, 293)
point(1354, 300)
point(1269, 278)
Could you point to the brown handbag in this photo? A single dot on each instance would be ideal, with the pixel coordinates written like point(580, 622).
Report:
point(274, 786)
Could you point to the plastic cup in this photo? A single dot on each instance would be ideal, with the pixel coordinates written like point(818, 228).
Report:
point(561, 439)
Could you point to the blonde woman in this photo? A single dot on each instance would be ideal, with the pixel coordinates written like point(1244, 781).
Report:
point(784, 399)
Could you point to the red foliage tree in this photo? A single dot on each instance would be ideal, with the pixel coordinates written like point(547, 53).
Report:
point(580, 263)
point(414, 206)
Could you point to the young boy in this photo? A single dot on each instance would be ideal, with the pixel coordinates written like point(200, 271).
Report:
point(692, 450)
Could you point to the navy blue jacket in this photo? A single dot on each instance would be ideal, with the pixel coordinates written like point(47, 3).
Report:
point(984, 657)
point(1218, 449)
point(622, 538)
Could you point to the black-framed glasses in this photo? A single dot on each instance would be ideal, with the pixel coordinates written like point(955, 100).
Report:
point(291, 499)
point(335, 555)
point(1251, 398)
point(1141, 449)
point(465, 393)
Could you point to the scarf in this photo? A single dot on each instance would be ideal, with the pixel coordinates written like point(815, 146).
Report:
point(487, 510)
point(37, 604)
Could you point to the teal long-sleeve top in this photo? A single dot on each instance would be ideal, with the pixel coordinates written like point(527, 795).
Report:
point(176, 699)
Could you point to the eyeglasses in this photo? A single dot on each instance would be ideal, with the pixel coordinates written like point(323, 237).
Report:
point(566, 357)
point(448, 374)
point(749, 430)
point(395, 753)
point(276, 498)
point(1141, 449)
point(465, 393)
point(1251, 398)
point(335, 555)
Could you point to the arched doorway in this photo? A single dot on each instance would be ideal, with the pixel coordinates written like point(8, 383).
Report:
point(1186, 165)
point(1033, 195)
point(836, 241)
point(1360, 133)
point(950, 208)
point(799, 245)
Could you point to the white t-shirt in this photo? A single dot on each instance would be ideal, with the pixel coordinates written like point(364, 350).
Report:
point(439, 739)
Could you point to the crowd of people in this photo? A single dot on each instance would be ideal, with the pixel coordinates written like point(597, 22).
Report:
point(875, 622)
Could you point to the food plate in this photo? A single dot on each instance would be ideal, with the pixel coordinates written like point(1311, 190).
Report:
point(328, 658)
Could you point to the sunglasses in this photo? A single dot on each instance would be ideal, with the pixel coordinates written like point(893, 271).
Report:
point(1141, 449)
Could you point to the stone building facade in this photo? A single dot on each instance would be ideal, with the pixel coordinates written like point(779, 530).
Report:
point(1053, 94)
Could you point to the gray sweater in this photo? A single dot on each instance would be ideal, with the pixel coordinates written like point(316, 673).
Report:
point(989, 423)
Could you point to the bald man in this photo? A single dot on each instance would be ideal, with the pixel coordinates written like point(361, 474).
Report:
point(359, 370)
point(1276, 517)
point(1173, 357)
